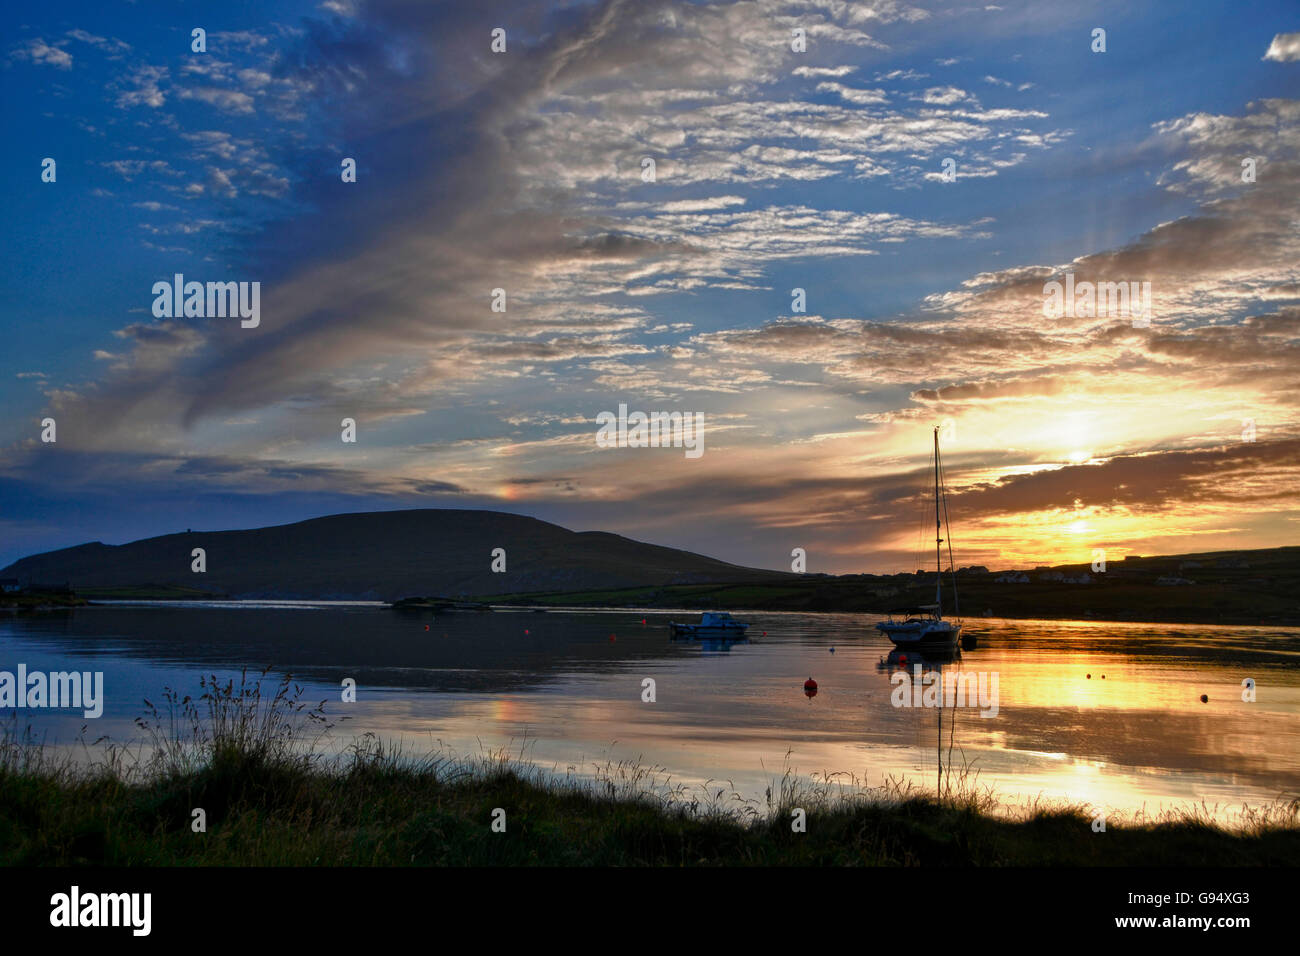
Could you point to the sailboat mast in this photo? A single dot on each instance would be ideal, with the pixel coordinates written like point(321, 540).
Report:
point(938, 532)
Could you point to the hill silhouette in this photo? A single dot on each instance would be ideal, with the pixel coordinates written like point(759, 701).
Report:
point(382, 555)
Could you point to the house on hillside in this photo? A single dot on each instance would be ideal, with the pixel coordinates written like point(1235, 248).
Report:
point(1012, 577)
point(9, 585)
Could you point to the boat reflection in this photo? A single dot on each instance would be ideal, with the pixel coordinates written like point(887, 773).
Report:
point(917, 665)
point(929, 660)
point(708, 643)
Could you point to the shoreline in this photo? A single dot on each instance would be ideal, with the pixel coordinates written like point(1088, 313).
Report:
point(972, 622)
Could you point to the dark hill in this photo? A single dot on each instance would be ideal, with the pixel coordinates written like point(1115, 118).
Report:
point(381, 556)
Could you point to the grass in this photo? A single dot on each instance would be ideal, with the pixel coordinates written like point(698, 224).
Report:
point(255, 765)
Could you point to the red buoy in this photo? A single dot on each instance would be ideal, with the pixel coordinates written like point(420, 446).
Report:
point(426, 627)
point(525, 630)
point(612, 638)
point(810, 687)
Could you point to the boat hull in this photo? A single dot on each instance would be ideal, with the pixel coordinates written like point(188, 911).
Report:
point(708, 633)
point(928, 634)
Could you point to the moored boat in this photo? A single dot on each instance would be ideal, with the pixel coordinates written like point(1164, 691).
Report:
point(921, 627)
point(713, 625)
point(924, 627)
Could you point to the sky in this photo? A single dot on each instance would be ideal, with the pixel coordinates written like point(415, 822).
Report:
point(921, 172)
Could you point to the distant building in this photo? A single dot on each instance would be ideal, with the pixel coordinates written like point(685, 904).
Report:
point(1169, 580)
point(8, 585)
point(1012, 577)
point(974, 569)
point(1064, 578)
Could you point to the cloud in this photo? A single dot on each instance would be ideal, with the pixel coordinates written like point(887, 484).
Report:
point(945, 96)
point(40, 53)
point(1285, 48)
point(145, 89)
point(110, 45)
point(816, 71)
point(228, 101)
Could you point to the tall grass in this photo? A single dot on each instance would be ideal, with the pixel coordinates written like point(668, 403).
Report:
point(233, 723)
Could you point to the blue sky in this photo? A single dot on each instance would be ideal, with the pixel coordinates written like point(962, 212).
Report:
point(776, 169)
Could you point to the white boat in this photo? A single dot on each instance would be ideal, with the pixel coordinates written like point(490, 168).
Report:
point(921, 627)
point(713, 625)
point(924, 627)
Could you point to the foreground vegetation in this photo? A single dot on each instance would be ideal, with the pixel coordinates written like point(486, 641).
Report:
point(254, 766)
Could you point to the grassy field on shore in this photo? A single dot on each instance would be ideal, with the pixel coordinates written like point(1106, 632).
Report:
point(269, 797)
point(1230, 587)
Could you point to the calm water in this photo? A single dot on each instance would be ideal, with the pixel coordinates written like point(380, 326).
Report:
point(556, 685)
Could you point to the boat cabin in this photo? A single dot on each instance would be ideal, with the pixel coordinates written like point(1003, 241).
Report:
point(922, 614)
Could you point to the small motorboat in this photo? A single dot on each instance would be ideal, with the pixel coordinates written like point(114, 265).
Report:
point(714, 625)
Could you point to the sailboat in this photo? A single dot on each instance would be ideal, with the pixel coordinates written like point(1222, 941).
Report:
point(924, 627)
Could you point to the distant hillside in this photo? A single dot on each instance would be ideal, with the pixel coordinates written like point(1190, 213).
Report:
point(379, 556)
point(1220, 587)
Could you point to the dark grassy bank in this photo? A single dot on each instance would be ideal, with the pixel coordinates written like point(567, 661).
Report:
point(260, 814)
point(270, 799)
point(1230, 587)
point(40, 600)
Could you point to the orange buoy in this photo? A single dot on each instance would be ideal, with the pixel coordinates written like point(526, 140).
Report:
point(810, 687)
point(1089, 676)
